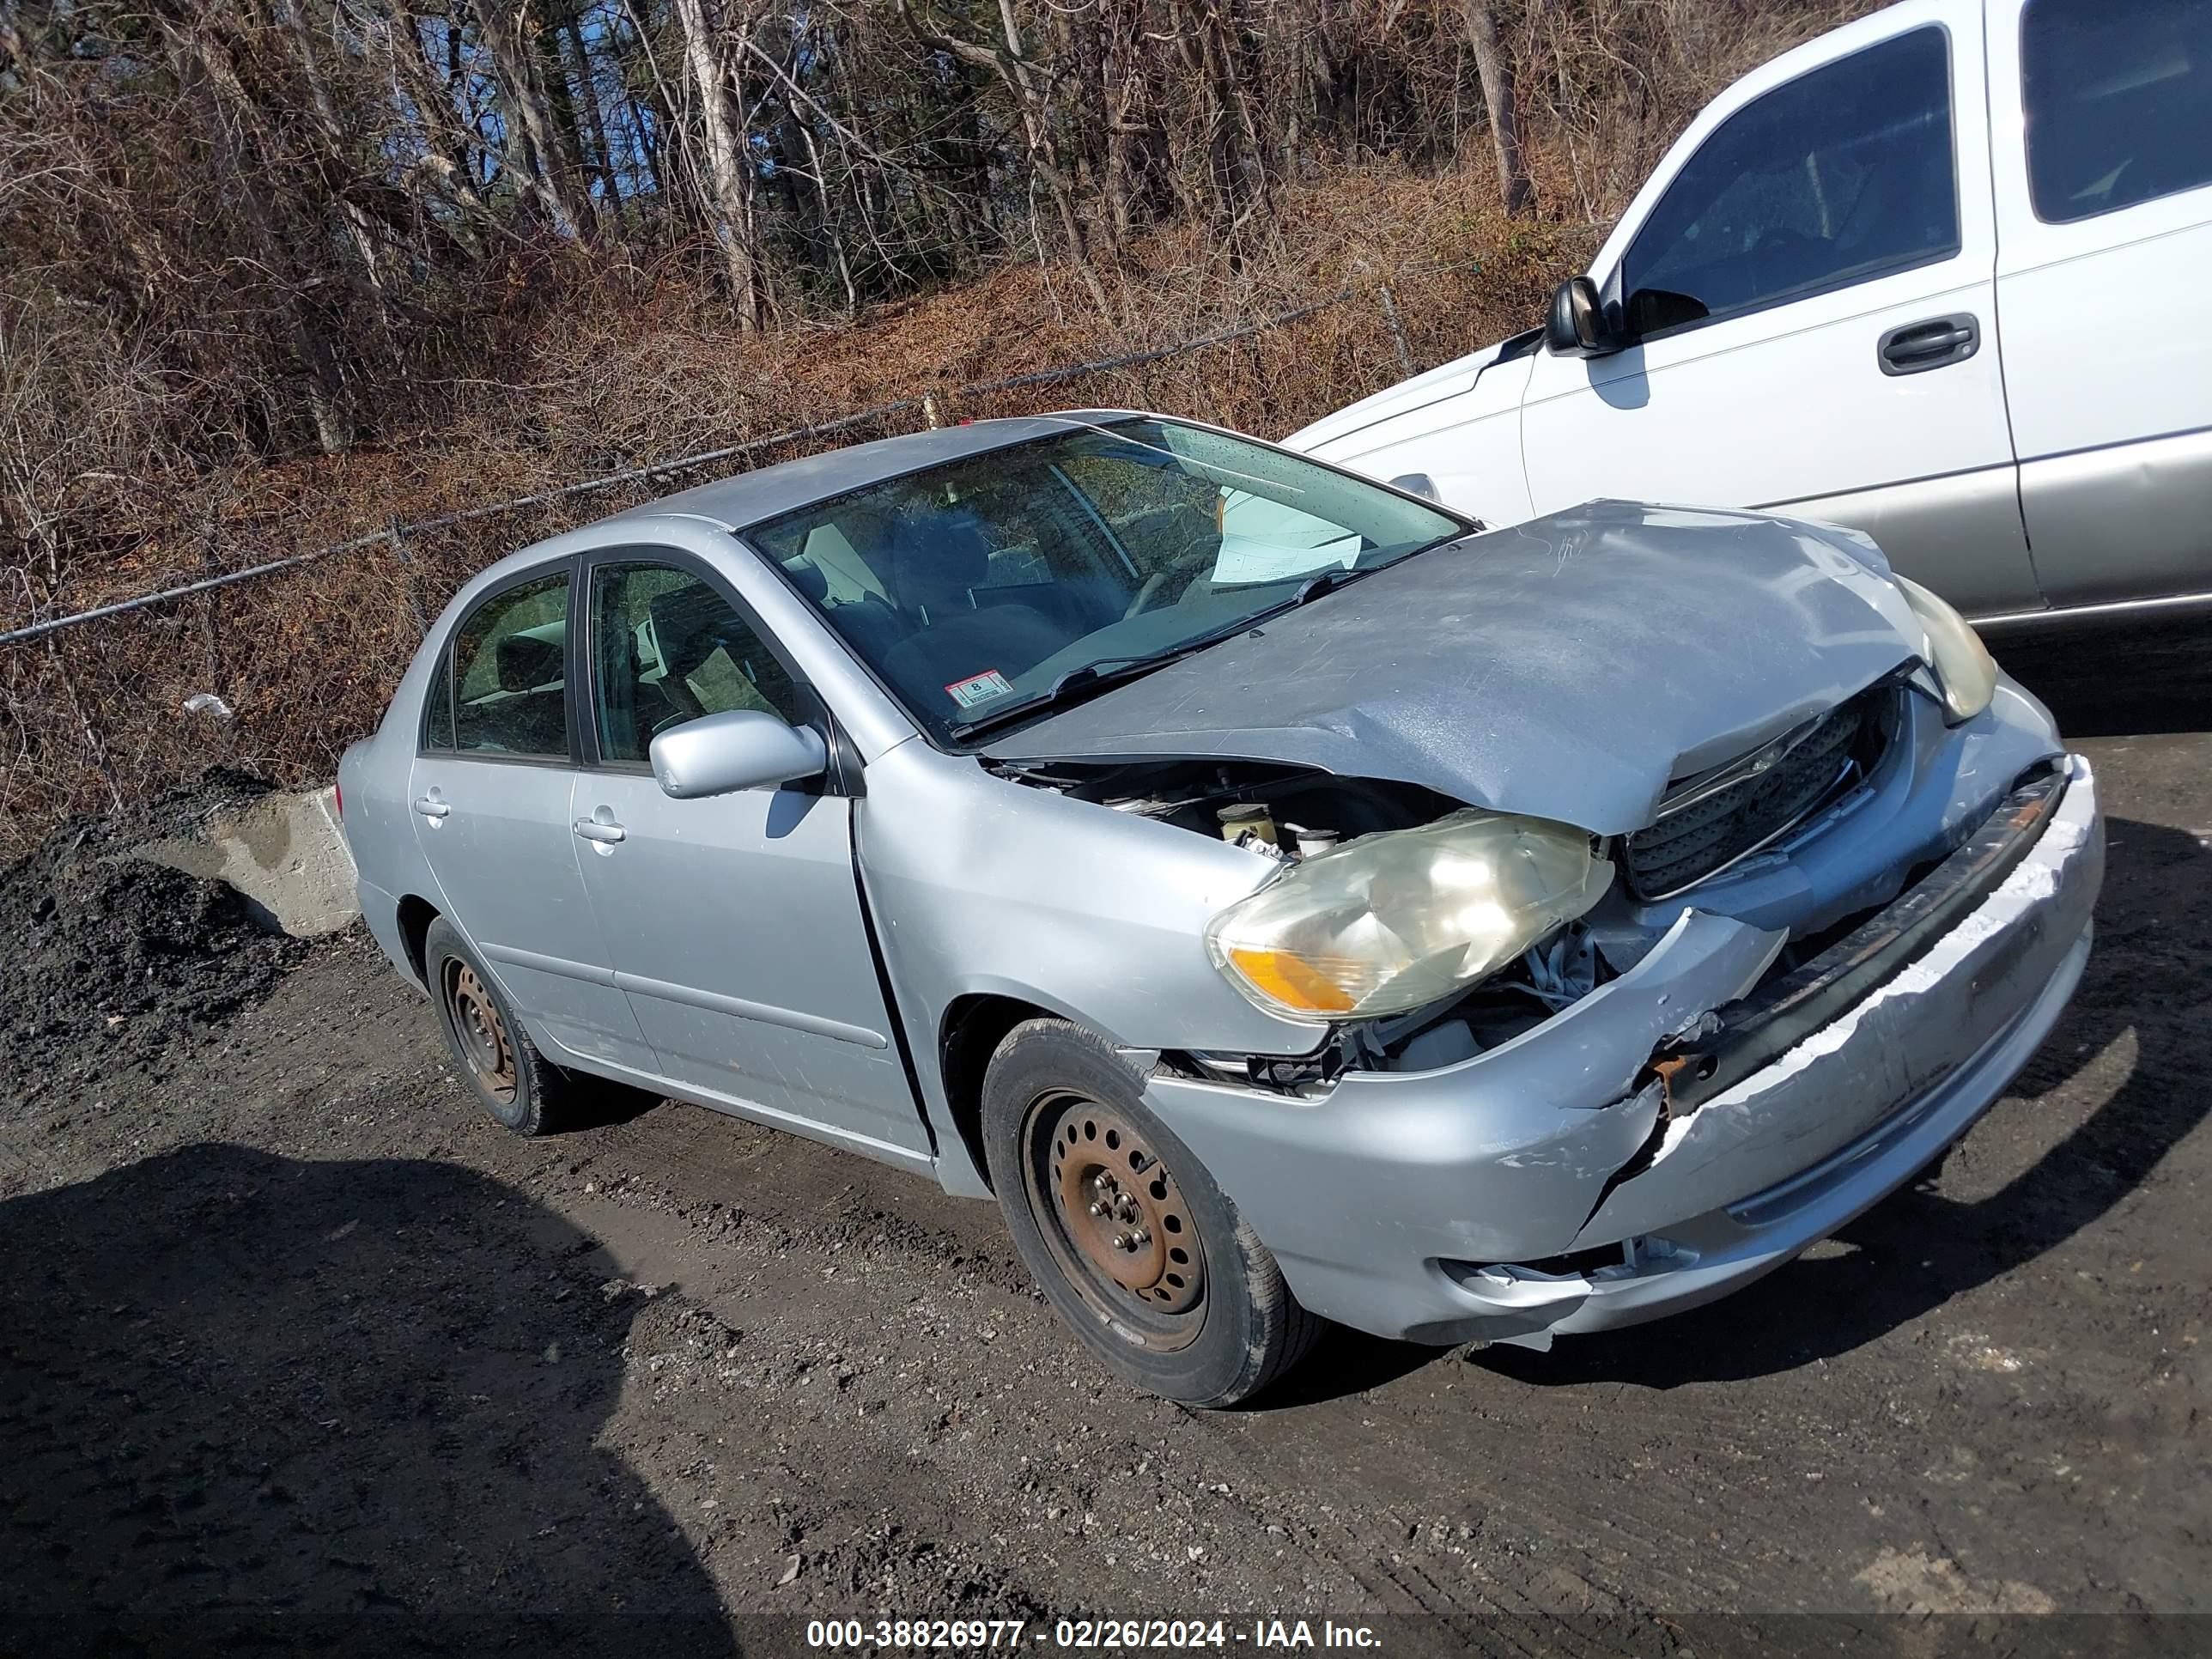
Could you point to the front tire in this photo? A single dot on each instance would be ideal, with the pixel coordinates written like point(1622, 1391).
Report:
point(519, 1088)
point(1136, 1248)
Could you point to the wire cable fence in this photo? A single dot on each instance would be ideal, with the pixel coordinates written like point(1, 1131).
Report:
point(112, 701)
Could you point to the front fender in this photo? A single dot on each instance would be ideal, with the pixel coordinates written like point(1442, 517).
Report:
point(980, 885)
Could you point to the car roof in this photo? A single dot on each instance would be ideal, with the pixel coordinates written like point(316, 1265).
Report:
point(749, 498)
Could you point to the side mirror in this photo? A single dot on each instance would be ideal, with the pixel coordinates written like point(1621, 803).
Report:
point(738, 749)
point(1575, 327)
point(1418, 484)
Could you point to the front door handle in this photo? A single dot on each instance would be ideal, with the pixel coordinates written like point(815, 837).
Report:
point(1936, 344)
point(605, 834)
point(431, 807)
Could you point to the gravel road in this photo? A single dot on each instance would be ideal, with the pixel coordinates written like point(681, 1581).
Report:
point(295, 1349)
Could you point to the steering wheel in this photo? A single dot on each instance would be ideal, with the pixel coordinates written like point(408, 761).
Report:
point(1181, 571)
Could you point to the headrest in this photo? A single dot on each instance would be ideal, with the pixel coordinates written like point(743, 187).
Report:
point(811, 579)
point(527, 661)
point(687, 624)
point(938, 558)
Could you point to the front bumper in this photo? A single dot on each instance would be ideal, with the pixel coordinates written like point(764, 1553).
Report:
point(1436, 1205)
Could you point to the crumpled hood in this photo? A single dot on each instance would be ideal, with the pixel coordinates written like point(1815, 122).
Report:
point(1567, 668)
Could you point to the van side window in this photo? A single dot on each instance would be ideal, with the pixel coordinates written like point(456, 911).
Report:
point(1842, 175)
point(511, 672)
point(2119, 100)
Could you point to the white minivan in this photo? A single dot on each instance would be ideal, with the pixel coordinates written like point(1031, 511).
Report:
point(1939, 275)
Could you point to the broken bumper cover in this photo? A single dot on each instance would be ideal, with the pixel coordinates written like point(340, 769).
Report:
point(1438, 1205)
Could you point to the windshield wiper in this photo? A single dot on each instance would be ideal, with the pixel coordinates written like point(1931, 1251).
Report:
point(1089, 679)
point(1320, 582)
point(1085, 680)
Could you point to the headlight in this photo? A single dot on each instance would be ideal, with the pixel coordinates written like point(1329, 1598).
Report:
point(1964, 668)
point(1399, 919)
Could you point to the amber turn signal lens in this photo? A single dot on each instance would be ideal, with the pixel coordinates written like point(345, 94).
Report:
point(1291, 981)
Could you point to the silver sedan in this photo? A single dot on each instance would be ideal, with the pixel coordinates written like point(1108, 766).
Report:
point(1291, 901)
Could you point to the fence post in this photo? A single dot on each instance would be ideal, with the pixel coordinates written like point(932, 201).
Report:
point(1397, 327)
point(407, 575)
point(211, 661)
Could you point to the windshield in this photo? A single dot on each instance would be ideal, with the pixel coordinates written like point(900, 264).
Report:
point(985, 586)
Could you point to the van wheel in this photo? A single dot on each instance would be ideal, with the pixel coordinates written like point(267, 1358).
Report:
point(1133, 1243)
point(521, 1089)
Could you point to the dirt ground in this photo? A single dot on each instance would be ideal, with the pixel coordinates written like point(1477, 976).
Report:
point(295, 1349)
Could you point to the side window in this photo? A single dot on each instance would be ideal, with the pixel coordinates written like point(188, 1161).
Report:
point(511, 673)
point(1844, 174)
point(668, 648)
point(2118, 98)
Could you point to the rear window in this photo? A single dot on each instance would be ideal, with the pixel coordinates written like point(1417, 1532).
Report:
point(510, 673)
point(2118, 97)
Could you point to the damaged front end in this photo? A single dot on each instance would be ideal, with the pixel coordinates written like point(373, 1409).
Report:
point(1614, 1126)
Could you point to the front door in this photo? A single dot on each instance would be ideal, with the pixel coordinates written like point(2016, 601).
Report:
point(1811, 301)
point(735, 920)
point(491, 796)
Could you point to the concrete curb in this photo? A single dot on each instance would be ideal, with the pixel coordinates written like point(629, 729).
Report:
point(285, 853)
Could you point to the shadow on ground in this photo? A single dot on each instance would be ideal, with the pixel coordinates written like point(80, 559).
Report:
point(248, 1401)
point(2116, 680)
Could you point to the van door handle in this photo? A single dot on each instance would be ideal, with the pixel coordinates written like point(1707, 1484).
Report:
point(431, 807)
point(1934, 344)
point(605, 834)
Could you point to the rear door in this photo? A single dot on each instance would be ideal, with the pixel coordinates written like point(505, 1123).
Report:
point(2104, 189)
point(735, 920)
point(490, 797)
point(1810, 292)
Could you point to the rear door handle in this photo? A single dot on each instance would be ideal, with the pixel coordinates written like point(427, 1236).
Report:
point(431, 807)
point(1936, 344)
point(605, 834)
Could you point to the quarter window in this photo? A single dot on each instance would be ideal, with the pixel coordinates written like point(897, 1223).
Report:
point(2118, 98)
point(510, 673)
point(669, 648)
point(438, 706)
point(1844, 174)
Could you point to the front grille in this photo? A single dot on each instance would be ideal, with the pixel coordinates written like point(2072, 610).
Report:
point(1710, 822)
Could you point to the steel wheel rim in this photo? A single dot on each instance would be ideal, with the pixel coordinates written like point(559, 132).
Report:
point(1114, 1218)
point(485, 1047)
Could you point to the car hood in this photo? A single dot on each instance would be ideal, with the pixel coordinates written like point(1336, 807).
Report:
point(1567, 668)
point(1446, 380)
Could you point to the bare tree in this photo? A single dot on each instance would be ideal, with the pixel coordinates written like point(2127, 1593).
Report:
point(1030, 85)
point(731, 177)
point(538, 160)
point(1496, 71)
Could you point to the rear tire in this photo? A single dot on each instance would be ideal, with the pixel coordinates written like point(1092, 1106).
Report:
point(520, 1089)
point(1133, 1243)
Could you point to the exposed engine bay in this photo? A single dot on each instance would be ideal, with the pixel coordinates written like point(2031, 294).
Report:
point(1287, 814)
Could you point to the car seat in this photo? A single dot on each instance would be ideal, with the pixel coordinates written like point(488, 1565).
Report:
point(935, 566)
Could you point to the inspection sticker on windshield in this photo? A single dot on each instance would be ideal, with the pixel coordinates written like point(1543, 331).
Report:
point(978, 688)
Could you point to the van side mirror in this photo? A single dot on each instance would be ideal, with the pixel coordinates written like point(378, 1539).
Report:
point(1575, 327)
point(737, 749)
